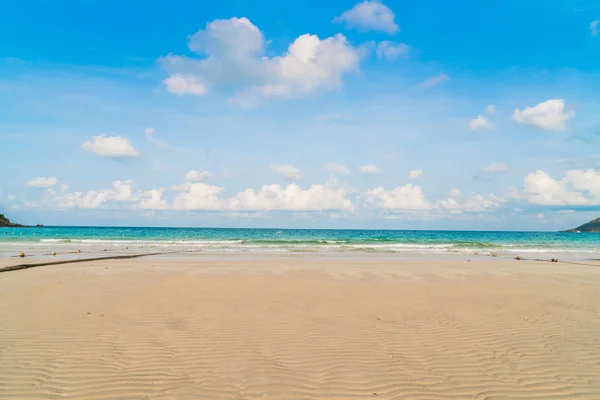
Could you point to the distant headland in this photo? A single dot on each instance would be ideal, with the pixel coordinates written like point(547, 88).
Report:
point(592, 226)
point(5, 222)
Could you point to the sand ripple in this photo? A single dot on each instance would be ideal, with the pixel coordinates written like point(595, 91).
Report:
point(169, 333)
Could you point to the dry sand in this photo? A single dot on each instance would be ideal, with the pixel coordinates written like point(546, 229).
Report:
point(300, 329)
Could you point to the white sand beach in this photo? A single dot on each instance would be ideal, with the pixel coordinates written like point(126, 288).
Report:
point(300, 328)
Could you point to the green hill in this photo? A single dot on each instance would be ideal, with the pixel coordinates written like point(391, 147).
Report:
point(592, 226)
point(6, 222)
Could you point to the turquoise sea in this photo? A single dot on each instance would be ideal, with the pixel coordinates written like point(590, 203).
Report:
point(93, 239)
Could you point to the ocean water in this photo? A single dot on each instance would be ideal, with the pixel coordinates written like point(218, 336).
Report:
point(434, 243)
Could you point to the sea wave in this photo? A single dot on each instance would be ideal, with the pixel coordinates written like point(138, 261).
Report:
point(90, 239)
point(373, 245)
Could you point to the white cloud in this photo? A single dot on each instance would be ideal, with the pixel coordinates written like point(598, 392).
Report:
point(64, 200)
point(337, 168)
point(110, 146)
point(202, 196)
point(234, 58)
point(332, 196)
point(287, 172)
point(473, 203)
point(311, 63)
point(369, 169)
point(199, 196)
point(149, 132)
point(197, 176)
point(392, 50)
point(92, 199)
point(292, 198)
point(406, 197)
point(122, 191)
point(451, 205)
point(476, 203)
point(549, 115)
point(496, 167)
point(414, 174)
point(152, 200)
point(578, 187)
point(491, 109)
point(41, 182)
point(434, 80)
point(479, 123)
point(370, 15)
point(185, 84)
point(595, 27)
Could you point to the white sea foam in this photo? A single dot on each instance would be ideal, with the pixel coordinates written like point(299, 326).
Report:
point(258, 246)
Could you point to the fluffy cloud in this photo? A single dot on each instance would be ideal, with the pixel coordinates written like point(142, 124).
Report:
point(197, 176)
point(121, 191)
point(337, 168)
point(370, 15)
point(549, 115)
point(476, 203)
point(578, 187)
point(202, 196)
point(406, 197)
point(451, 205)
point(149, 132)
point(152, 200)
point(473, 203)
point(287, 172)
point(199, 196)
point(311, 63)
point(62, 199)
point(41, 182)
point(496, 167)
point(414, 174)
point(234, 58)
point(293, 198)
point(491, 109)
point(407, 200)
point(479, 123)
point(595, 27)
point(369, 169)
point(184, 84)
point(434, 80)
point(392, 50)
point(110, 146)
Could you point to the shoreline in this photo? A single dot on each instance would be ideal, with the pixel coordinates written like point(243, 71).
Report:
point(206, 256)
point(65, 251)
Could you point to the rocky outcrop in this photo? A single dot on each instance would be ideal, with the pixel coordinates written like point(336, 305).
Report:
point(4, 222)
point(592, 226)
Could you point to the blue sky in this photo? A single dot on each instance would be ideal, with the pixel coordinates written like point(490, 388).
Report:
point(408, 115)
